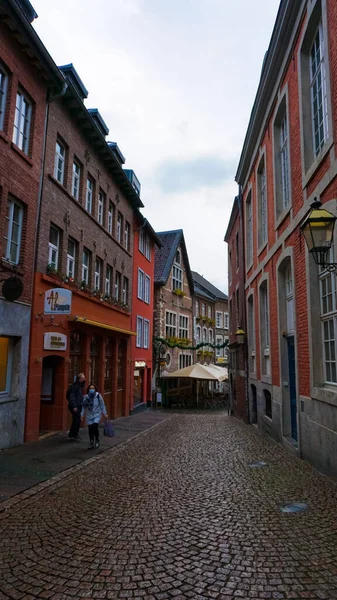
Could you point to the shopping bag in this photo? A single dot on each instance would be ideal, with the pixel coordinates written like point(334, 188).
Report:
point(108, 429)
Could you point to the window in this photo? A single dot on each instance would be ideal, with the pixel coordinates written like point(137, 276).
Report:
point(170, 324)
point(249, 230)
point(198, 334)
point(318, 92)
point(119, 227)
point(85, 266)
point(229, 267)
point(251, 335)
point(23, 114)
point(185, 360)
point(71, 258)
point(210, 336)
point(59, 163)
point(268, 403)
point(109, 365)
point(218, 319)
point(237, 251)
point(75, 182)
point(98, 272)
point(226, 320)
point(281, 159)
point(3, 95)
point(284, 162)
point(146, 333)
point(209, 312)
point(110, 218)
point(329, 323)
point(54, 246)
point(88, 196)
point(204, 334)
point(100, 207)
point(139, 338)
point(178, 257)
point(94, 364)
point(108, 277)
point(237, 301)
point(147, 289)
point(203, 309)
point(177, 278)
point(197, 308)
point(127, 236)
point(141, 244)
point(5, 365)
point(265, 340)
point(262, 204)
point(140, 284)
point(118, 279)
point(219, 342)
point(183, 327)
point(147, 248)
point(226, 349)
point(13, 235)
point(125, 291)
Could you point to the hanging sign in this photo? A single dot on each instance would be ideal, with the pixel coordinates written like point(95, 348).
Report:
point(54, 341)
point(140, 364)
point(57, 301)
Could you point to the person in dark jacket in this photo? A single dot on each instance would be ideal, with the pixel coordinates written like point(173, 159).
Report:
point(75, 403)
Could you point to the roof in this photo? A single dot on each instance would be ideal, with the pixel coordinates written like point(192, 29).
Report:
point(200, 283)
point(164, 256)
point(199, 291)
point(232, 219)
point(148, 227)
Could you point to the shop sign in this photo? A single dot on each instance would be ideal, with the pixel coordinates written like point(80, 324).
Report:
point(57, 301)
point(136, 373)
point(54, 341)
point(140, 364)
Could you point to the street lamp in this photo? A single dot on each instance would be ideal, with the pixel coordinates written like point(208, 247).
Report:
point(240, 335)
point(318, 228)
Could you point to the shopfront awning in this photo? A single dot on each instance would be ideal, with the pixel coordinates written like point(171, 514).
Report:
point(86, 321)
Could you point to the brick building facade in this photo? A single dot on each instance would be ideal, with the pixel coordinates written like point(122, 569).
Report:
point(288, 159)
point(29, 80)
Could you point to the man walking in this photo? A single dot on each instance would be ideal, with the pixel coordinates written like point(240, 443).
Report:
point(75, 397)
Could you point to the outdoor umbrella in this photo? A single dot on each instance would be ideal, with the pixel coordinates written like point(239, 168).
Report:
point(199, 372)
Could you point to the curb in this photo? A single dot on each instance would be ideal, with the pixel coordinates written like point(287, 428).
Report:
point(57, 480)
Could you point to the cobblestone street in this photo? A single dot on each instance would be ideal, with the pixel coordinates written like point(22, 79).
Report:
point(177, 512)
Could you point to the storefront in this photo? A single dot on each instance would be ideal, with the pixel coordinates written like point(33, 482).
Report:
point(73, 332)
point(141, 384)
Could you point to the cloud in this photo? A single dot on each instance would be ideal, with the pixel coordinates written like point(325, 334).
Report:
point(175, 175)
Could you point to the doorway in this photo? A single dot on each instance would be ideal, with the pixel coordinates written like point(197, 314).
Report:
point(292, 386)
point(51, 394)
point(254, 405)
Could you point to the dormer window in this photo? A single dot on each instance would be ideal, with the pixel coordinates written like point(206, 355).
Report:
point(178, 257)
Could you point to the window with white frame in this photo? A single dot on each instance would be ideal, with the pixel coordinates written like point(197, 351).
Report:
point(197, 308)
point(281, 159)
point(147, 289)
point(183, 326)
point(318, 92)
point(185, 360)
point(59, 163)
point(98, 274)
point(226, 320)
point(177, 278)
point(198, 334)
point(6, 352)
point(22, 121)
point(140, 294)
point(170, 324)
point(265, 332)
point(54, 247)
point(85, 266)
point(237, 251)
point(108, 278)
point(209, 312)
point(251, 335)
point(13, 231)
point(71, 258)
point(75, 181)
point(141, 241)
point(119, 227)
point(329, 322)
point(262, 203)
point(125, 291)
point(110, 217)
point(139, 338)
point(146, 343)
point(127, 236)
point(178, 257)
point(118, 282)
point(230, 267)
point(249, 230)
point(100, 207)
point(219, 342)
point(147, 248)
point(203, 309)
point(218, 319)
point(89, 194)
point(3, 95)
point(284, 162)
point(226, 349)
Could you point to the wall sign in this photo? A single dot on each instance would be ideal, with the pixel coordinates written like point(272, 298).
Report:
point(54, 341)
point(57, 301)
point(140, 364)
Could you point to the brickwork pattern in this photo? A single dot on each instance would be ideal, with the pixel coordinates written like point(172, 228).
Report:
point(179, 515)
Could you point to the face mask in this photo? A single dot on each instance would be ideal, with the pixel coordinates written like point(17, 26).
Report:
point(92, 393)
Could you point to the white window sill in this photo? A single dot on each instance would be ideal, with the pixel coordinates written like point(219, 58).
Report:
point(6, 399)
point(262, 247)
point(282, 216)
point(316, 162)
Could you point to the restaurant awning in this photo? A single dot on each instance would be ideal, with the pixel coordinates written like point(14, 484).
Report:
point(86, 321)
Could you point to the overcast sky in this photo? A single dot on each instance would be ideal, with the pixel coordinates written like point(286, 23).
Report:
point(175, 81)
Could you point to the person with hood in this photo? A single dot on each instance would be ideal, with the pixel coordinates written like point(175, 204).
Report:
point(93, 405)
point(75, 401)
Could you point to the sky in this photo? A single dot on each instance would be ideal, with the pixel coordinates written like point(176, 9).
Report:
point(175, 81)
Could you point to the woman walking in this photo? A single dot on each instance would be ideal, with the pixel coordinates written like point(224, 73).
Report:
point(93, 405)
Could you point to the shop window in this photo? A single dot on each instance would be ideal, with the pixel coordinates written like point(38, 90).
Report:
point(76, 354)
point(121, 364)
point(108, 374)
point(94, 359)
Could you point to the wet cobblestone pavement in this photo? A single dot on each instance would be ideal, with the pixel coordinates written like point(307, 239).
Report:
point(176, 513)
